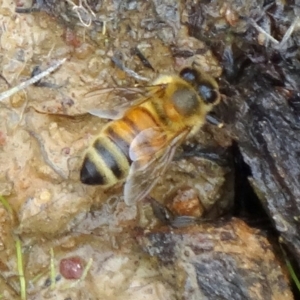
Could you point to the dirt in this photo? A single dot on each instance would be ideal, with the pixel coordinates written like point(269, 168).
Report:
point(45, 130)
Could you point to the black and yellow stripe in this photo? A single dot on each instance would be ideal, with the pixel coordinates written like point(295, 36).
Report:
point(107, 161)
point(104, 163)
point(158, 110)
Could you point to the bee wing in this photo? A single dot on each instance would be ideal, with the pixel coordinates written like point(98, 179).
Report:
point(112, 103)
point(147, 143)
point(149, 161)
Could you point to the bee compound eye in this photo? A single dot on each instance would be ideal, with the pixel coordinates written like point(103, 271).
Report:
point(189, 75)
point(208, 93)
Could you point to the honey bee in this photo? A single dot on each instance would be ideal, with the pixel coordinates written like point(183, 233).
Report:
point(139, 143)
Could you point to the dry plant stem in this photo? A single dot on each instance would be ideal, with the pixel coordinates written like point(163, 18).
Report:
point(289, 32)
point(84, 273)
point(290, 267)
point(104, 28)
point(287, 35)
point(30, 81)
point(6, 205)
point(80, 7)
point(21, 269)
point(261, 30)
point(52, 269)
point(37, 277)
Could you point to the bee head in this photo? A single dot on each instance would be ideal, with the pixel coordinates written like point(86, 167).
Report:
point(206, 86)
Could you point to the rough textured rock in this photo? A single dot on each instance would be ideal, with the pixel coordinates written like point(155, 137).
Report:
point(261, 83)
point(218, 262)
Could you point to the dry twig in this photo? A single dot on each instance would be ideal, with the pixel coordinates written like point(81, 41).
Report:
point(30, 81)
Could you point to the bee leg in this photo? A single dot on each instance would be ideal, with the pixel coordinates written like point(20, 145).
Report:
point(163, 214)
point(116, 59)
point(219, 155)
point(212, 119)
point(136, 51)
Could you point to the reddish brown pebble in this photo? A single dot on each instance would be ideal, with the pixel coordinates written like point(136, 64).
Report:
point(186, 203)
point(71, 267)
point(71, 38)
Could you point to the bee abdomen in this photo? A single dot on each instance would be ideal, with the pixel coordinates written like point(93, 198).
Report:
point(104, 163)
